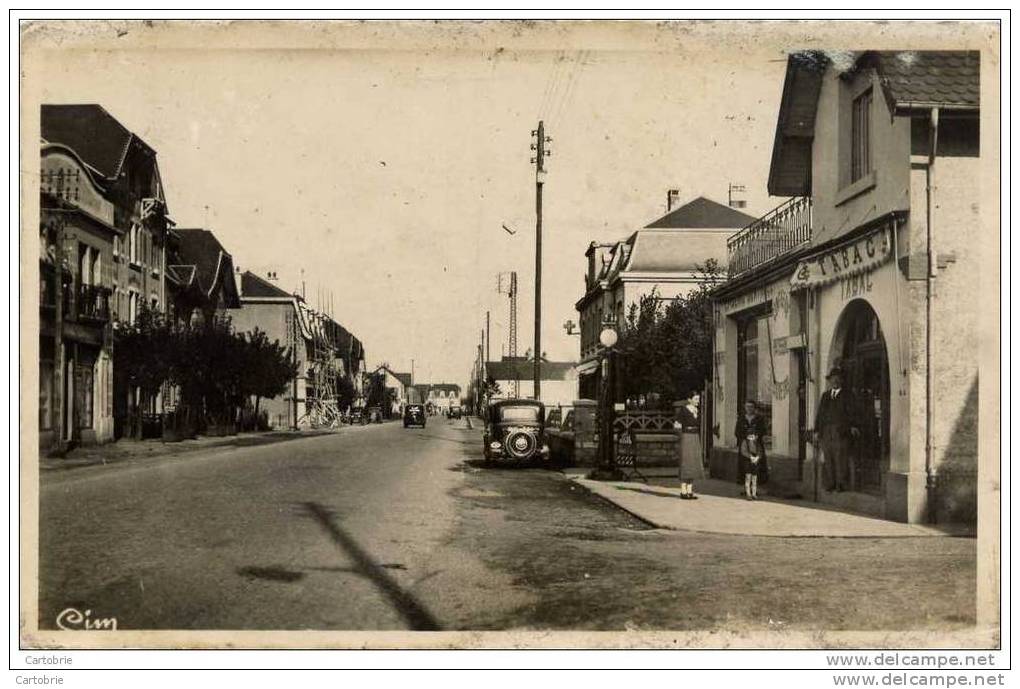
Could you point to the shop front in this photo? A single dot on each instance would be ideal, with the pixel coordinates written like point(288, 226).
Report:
point(780, 331)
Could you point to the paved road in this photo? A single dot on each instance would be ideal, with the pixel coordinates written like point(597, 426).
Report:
point(379, 527)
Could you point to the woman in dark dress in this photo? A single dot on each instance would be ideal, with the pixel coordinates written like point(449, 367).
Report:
point(751, 423)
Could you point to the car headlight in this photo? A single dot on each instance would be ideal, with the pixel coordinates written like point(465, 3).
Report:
point(495, 445)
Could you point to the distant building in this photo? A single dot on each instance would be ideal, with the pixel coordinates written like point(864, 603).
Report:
point(287, 319)
point(666, 257)
point(559, 379)
point(440, 395)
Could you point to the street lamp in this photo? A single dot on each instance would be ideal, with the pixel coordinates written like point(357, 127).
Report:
point(608, 338)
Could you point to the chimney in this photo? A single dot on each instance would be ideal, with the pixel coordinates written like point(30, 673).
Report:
point(271, 276)
point(737, 196)
point(672, 199)
point(237, 280)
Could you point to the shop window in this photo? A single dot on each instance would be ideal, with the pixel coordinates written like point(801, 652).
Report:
point(860, 136)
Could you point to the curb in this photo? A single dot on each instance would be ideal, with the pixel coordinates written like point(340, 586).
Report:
point(643, 520)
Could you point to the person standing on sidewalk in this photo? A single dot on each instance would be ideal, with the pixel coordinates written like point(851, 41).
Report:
point(751, 424)
point(835, 427)
point(687, 423)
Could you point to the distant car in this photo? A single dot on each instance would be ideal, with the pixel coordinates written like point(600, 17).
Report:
point(455, 412)
point(515, 432)
point(414, 415)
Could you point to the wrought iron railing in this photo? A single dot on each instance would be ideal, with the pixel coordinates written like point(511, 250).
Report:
point(93, 303)
point(780, 231)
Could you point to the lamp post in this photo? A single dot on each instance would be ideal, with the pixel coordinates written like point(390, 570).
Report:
point(607, 461)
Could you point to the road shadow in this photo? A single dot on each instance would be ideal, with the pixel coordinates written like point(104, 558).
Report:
point(414, 612)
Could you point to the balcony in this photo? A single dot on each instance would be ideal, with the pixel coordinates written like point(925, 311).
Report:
point(93, 303)
point(782, 230)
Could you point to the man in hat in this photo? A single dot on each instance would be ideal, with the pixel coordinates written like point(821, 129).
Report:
point(835, 425)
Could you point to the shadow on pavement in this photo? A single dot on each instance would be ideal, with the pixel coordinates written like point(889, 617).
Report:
point(417, 616)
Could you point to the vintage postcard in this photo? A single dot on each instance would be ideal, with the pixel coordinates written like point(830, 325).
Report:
point(510, 334)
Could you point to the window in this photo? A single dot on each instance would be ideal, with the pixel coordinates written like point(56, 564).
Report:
point(860, 137)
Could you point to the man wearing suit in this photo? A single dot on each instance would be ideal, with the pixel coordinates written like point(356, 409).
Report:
point(835, 425)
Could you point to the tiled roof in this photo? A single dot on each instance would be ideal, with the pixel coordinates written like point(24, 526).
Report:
point(525, 370)
point(254, 286)
point(213, 266)
point(703, 213)
point(94, 134)
point(929, 77)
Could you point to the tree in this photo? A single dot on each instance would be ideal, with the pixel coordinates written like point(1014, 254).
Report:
point(666, 351)
point(267, 367)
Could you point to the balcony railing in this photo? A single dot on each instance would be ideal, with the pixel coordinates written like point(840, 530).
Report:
point(782, 230)
point(93, 303)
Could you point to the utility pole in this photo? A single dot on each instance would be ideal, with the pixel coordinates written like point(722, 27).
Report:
point(487, 343)
point(539, 160)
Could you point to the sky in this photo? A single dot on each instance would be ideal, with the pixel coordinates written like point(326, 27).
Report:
point(382, 176)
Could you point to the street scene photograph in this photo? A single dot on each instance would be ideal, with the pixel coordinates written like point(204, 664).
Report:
point(533, 334)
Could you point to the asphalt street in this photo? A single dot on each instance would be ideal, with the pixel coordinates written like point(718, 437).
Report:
point(381, 527)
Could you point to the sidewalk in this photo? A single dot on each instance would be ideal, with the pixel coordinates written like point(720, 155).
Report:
point(126, 450)
point(720, 510)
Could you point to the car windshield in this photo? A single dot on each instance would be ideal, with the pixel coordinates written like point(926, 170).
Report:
point(519, 413)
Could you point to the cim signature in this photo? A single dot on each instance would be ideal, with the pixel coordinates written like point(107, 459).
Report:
point(72, 619)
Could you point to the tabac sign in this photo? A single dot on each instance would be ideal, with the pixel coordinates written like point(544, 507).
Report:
point(857, 257)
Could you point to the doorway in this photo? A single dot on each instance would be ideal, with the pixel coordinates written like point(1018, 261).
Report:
point(865, 363)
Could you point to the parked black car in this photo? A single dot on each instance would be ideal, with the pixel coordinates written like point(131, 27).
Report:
point(414, 415)
point(455, 412)
point(515, 431)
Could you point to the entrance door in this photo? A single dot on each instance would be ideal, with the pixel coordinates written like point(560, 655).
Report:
point(866, 372)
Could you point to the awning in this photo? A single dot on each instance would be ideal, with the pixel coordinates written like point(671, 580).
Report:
point(838, 263)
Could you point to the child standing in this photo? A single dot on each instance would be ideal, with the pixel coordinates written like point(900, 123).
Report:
point(753, 465)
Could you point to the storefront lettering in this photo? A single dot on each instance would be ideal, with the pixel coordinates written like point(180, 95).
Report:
point(856, 285)
point(854, 258)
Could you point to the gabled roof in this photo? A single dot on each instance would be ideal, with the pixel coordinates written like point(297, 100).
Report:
point(213, 267)
point(909, 79)
point(702, 213)
point(94, 134)
point(254, 286)
point(525, 370)
point(404, 378)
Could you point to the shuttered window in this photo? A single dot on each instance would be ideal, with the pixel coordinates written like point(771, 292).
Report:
point(860, 137)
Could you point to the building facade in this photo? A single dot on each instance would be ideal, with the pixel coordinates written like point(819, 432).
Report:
point(320, 346)
point(665, 257)
point(880, 156)
point(104, 215)
point(558, 379)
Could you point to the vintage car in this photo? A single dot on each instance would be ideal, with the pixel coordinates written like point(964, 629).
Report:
point(414, 415)
point(514, 431)
point(455, 412)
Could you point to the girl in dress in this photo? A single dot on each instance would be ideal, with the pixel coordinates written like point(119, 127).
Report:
point(753, 464)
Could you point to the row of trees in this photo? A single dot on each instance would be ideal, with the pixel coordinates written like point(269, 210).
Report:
point(665, 346)
point(218, 372)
